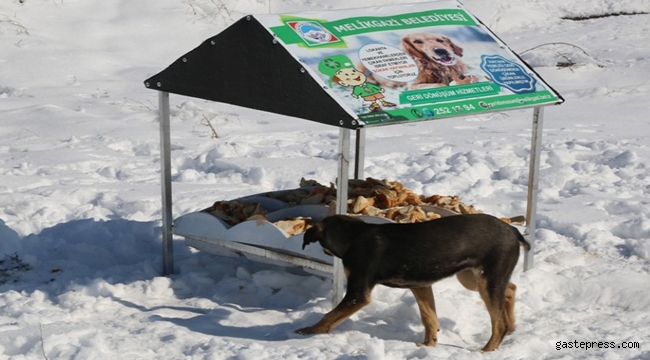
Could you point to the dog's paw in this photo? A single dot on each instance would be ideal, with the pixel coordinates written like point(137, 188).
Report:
point(430, 342)
point(488, 348)
point(303, 331)
point(310, 330)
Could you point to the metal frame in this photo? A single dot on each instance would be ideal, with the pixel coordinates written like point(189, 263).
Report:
point(166, 184)
point(341, 208)
point(338, 275)
point(343, 174)
point(359, 153)
point(218, 246)
point(533, 184)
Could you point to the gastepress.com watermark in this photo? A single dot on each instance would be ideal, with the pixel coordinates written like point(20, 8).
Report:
point(587, 345)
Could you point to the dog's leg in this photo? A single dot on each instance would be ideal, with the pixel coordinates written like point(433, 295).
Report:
point(494, 297)
point(510, 307)
point(465, 79)
point(427, 305)
point(356, 297)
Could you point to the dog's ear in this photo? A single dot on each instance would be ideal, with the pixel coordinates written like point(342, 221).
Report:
point(409, 48)
point(340, 229)
point(313, 234)
point(455, 48)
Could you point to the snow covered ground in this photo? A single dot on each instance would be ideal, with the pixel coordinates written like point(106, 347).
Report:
point(80, 253)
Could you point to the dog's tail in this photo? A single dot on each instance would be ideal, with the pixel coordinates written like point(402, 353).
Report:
point(518, 220)
point(522, 241)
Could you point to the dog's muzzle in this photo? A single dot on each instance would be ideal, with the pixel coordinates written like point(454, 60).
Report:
point(443, 56)
point(308, 238)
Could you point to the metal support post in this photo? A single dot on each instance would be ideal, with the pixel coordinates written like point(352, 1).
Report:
point(533, 184)
point(166, 184)
point(359, 153)
point(342, 178)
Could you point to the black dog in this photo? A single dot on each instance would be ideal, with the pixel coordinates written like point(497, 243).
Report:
point(480, 249)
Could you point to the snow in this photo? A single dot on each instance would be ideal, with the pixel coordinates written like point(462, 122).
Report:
point(80, 197)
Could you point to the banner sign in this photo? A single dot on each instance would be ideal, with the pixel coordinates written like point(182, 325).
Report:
point(410, 62)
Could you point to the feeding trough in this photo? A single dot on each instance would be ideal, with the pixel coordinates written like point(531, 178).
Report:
point(354, 69)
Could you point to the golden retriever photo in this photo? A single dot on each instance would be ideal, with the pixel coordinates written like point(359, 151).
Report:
point(438, 59)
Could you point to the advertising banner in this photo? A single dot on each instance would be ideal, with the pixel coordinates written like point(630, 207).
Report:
point(410, 62)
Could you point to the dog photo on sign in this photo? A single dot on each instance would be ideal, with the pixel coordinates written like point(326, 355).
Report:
point(439, 63)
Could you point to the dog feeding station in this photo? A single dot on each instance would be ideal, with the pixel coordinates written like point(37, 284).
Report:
point(354, 69)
